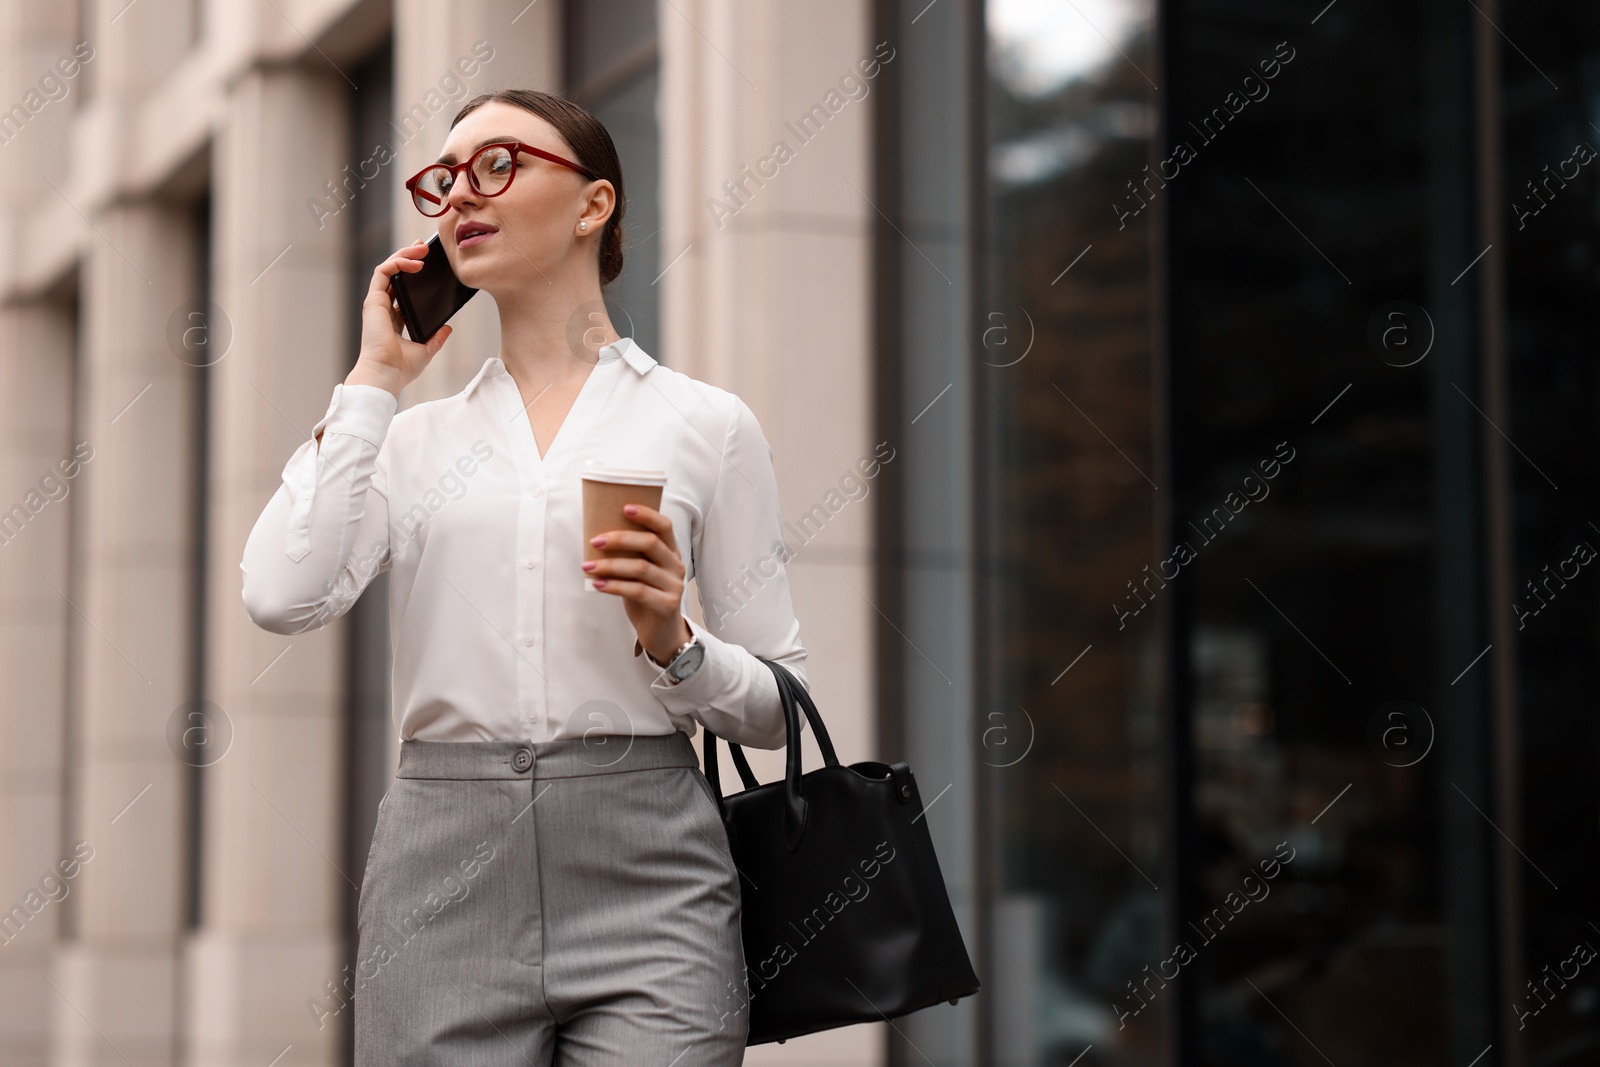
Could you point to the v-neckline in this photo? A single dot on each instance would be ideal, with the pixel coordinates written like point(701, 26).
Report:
point(580, 412)
point(566, 417)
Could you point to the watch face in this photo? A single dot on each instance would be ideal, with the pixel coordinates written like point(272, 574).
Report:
point(689, 662)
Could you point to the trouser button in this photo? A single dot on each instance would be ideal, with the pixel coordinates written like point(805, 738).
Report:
point(522, 759)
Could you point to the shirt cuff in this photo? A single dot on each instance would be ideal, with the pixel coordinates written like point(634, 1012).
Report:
point(731, 686)
point(362, 411)
point(695, 691)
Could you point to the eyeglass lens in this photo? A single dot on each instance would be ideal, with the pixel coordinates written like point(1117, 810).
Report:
point(491, 171)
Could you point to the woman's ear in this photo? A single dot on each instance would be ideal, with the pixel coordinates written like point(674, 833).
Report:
point(600, 203)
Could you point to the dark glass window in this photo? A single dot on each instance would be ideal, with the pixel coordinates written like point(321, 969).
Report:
point(1070, 746)
point(1262, 647)
point(1326, 483)
point(194, 801)
point(1282, 713)
point(613, 69)
point(1549, 211)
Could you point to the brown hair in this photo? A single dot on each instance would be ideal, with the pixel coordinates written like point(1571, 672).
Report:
point(591, 147)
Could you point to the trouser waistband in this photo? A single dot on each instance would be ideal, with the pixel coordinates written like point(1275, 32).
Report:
point(568, 758)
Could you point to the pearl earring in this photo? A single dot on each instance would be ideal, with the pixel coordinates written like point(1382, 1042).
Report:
point(583, 225)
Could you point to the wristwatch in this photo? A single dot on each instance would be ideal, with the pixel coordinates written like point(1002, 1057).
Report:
point(684, 662)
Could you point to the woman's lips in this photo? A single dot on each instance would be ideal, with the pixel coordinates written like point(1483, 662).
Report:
point(476, 239)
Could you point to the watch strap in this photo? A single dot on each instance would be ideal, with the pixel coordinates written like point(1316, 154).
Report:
point(638, 648)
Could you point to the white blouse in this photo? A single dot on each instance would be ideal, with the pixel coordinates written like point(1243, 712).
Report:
point(493, 635)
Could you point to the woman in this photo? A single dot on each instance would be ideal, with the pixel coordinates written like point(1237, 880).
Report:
point(549, 880)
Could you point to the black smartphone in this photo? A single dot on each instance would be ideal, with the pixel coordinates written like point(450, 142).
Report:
point(428, 297)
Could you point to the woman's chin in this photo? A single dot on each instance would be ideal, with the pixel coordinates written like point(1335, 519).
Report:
point(499, 268)
point(476, 275)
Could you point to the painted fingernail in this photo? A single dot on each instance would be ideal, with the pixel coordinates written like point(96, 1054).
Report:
point(599, 583)
point(598, 541)
point(589, 565)
point(630, 509)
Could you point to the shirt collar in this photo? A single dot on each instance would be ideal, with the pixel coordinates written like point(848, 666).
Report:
point(625, 349)
point(630, 352)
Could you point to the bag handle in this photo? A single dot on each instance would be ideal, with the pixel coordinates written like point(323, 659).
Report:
point(790, 694)
point(813, 716)
point(794, 815)
point(742, 765)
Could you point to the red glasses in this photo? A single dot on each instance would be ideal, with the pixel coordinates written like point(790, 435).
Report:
point(489, 171)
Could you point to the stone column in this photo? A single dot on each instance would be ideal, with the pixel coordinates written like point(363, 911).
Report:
point(133, 642)
point(270, 938)
point(133, 596)
point(36, 504)
point(770, 300)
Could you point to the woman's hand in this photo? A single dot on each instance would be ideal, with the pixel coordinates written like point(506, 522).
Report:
point(651, 588)
point(386, 359)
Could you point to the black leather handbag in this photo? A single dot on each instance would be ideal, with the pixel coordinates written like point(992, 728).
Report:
point(845, 916)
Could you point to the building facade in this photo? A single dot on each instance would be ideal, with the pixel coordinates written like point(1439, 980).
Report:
point(1242, 363)
point(199, 192)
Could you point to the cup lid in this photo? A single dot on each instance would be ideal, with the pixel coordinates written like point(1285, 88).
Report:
point(599, 472)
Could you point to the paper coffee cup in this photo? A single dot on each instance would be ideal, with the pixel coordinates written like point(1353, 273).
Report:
point(605, 491)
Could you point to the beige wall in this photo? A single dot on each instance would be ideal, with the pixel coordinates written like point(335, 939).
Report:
point(772, 304)
point(96, 589)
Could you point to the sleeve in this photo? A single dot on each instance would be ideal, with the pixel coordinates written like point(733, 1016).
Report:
point(739, 571)
point(324, 535)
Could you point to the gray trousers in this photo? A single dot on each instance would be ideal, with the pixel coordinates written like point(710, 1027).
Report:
point(567, 903)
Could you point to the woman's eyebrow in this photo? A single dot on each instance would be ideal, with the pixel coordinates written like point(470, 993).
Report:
point(449, 158)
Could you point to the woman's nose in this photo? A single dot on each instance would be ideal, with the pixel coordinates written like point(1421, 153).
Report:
point(461, 194)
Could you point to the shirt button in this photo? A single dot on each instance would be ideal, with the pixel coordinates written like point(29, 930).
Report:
point(528, 640)
point(537, 490)
point(522, 759)
point(530, 563)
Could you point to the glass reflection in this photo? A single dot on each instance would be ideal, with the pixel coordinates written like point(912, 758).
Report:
point(1336, 901)
point(1071, 744)
point(1549, 114)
